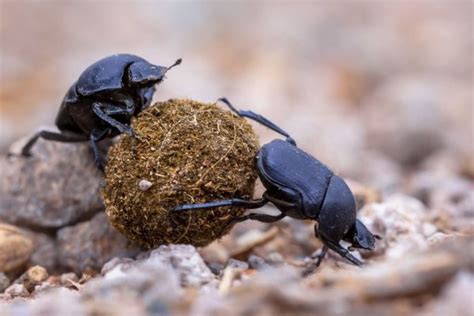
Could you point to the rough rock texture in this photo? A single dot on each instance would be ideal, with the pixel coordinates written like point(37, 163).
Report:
point(418, 273)
point(186, 261)
point(16, 290)
point(68, 304)
point(402, 222)
point(57, 186)
point(45, 251)
point(346, 290)
point(91, 244)
point(154, 285)
point(4, 282)
point(15, 248)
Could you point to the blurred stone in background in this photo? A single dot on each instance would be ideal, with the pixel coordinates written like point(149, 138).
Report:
point(341, 77)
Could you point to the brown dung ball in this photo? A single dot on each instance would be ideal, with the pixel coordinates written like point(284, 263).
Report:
point(184, 152)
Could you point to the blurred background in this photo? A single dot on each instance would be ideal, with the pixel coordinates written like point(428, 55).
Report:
point(373, 89)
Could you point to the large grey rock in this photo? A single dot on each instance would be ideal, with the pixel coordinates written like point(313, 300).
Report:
point(45, 252)
point(90, 244)
point(4, 282)
point(57, 186)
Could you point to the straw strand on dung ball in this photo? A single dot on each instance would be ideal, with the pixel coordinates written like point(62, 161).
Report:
point(184, 152)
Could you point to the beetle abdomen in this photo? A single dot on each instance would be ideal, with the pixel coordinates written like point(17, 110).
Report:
point(286, 165)
point(64, 120)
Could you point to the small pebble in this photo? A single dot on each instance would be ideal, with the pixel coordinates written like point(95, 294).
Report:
point(67, 277)
point(15, 248)
point(439, 238)
point(43, 287)
point(32, 277)
point(257, 263)
point(114, 262)
point(37, 274)
point(16, 290)
point(237, 264)
point(216, 268)
point(144, 185)
point(275, 258)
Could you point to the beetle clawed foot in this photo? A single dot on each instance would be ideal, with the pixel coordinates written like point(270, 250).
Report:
point(18, 154)
point(21, 154)
point(129, 131)
point(99, 162)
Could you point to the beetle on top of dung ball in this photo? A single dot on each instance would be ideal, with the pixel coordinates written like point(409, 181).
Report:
point(103, 100)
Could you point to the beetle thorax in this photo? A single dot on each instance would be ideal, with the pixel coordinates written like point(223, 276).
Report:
point(338, 211)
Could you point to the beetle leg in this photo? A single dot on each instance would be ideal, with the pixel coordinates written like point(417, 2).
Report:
point(341, 251)
point(314, 265)
point(50, 135)
point(264, 218)
point(325, 249)
point(279, 203)
point(259, 119)
point(97, 135)
point(250, 204)
point(319, 258)
point(99, 110)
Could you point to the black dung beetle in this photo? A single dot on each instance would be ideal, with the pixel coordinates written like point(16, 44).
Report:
point(103, 100)
point(301, 187)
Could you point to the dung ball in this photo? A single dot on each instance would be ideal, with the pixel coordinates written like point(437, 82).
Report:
point(184, 152)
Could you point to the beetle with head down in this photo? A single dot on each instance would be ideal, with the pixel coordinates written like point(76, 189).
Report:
point(301, 187)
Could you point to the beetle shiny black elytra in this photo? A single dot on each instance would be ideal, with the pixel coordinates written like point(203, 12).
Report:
point(300, 187)
point(103, 100)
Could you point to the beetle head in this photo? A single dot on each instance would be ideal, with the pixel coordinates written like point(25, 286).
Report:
point(144, 74)
point(360, 237)
point(336, 218)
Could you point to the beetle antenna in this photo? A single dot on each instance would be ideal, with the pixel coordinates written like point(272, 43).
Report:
point(176, 63)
